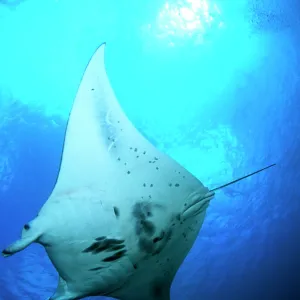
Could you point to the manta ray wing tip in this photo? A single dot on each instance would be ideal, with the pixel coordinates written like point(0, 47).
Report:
point(6, 253)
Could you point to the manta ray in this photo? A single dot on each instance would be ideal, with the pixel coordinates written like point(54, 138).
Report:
point(122, 215)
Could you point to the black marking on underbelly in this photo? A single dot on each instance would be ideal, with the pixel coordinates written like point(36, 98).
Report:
point(115, 256)
point(157, 244)
point(115, 241)
point(141, 210)
point(117, 212)
point(159, 238)
point(92, 248)
point(157, 290)
point(96, 269)
point(145, 229)
point(6, 252)
point(26, 226)
point(104, 244)
point(146, 245)
point(160, 289)
point(163, 242)
point(117, 247)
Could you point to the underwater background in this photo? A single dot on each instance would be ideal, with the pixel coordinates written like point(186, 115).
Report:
point(215, 84)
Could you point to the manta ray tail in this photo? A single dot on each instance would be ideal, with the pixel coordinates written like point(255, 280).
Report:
point(30, 234)
point(200, 205)
point(241, 178)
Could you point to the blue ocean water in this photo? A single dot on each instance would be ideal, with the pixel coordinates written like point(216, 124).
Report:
point(215, 84)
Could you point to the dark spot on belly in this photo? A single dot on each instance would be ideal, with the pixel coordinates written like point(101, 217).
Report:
point(26, 226)
point(115, 241)
point(148, 227)
point(116, 211)
point(91, 248)
point(169, 234)
point(163, 242)
point(141, 212)
point(159, 238)
point(146, 245)
point(135, 266)
point(117, 247)
point(96, 269)
point(104, 244)
point(157, 290)
point(102, 247)
point(115, 256)
point(141, 209)
point(138, 228)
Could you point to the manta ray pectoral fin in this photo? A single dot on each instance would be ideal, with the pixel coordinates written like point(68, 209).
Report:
point(30, 234)
point(18, 245)
point(241, 178)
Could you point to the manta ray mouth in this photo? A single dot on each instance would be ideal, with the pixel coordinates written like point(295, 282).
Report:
point(198, 205)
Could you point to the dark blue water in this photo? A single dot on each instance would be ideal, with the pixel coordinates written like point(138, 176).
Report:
point(215, 84)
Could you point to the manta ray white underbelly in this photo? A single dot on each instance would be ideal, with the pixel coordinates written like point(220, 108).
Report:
point(122, 215)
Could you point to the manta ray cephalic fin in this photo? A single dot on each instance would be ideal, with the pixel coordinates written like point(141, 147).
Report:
point(30, 234)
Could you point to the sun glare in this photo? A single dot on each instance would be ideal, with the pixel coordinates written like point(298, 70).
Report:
point(188, 18)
